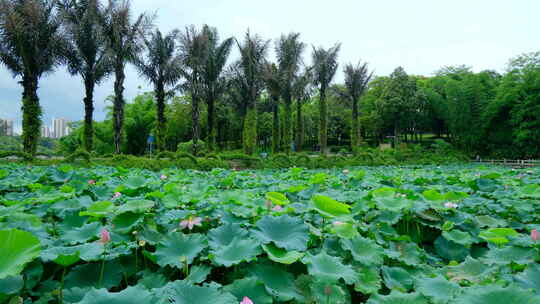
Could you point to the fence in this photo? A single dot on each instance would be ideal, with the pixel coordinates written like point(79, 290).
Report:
point(522, 163)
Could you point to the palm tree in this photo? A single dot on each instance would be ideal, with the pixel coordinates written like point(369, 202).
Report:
point(302, 91)
point(124, 43)
point(272, 81)
point(163, 68)
point(252, 58)
point(87, 52)
point(31, 44)
point(356, 81)
point(214, 82)
point(324, 68)
point(194, 54)
point(289, 51)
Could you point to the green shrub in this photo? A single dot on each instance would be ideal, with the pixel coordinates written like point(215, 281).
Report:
point(165, 154)
point(23, 155)
point(184, 155)
point(79, 154)
point(187, 147)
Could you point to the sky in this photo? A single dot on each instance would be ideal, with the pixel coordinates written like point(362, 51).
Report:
point(419, 35)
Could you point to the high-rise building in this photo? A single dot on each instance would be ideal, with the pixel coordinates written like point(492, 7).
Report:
point(46, 132)
point(60, 127)
point(6, 125)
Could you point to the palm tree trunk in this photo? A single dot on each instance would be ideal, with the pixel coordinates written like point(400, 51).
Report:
point(275, 126)
point(195, 123)
point(287, 124)
point(31, 114)
point(323, 131)
point(118, 107)
point(211, 121)
point(161, 119)
point(88, 138)
point(249, 134)
point(299, 126)
point(355, 132)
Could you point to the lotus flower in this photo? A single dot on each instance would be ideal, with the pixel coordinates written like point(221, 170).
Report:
point(450, 205)
point(535, 236)
point(190, 222)
point(105, 236)
point(277, 208)
point(338, 223)
point(163, 176)
point(91, 182)
point(246, 300)
point(346, 171)
point(117, 195)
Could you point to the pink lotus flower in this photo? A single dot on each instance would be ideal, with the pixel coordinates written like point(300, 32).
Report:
point(535, 236)
point(277, 208)
point(117, 195)
point(91, 182)
point(346, 171)
point(163, 176)
point(246, 300)
point(450, 205)
point(338, 223)
point(191, 222)
point(105, 236)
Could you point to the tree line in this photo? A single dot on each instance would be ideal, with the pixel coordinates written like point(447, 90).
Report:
point(253, 98)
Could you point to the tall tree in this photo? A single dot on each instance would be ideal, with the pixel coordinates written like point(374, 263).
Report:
point(302, 91)
point(289, 51)
point(325, 65)
point(252, 58)
point(356, 81)
point(272, 81)
point(194, 54)
point(124, 39)
point(214, 83)
point(87, 52)
point(31, 44)
point(163, 68)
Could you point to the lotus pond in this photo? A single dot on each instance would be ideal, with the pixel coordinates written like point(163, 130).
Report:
point(416, 235)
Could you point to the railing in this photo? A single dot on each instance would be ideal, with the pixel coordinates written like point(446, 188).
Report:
point(510, 162)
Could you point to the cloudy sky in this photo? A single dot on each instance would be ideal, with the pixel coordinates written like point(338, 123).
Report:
point(420, 35)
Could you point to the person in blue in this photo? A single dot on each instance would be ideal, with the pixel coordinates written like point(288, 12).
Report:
point(150, 141)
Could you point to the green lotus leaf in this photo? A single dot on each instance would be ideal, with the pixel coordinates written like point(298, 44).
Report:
point(236, 252)
point(277, 198)
point(369, 280)
point(433, 195)
point(63, 256)
point(498, 236)
point(329, 207)
point(329, 292)
point(511, 254)
point(82, 234)
point(135, 206)
point(470, 270)
point(459, 237)
point(287, 232)
point(494, 294)
point(278, 282)
point(438, 289)
point(183, 292)
point(99, 209)
point(393, 203)
point(251, 288)
point(530, 190)
point(130, 295)
point(397, 278)
point(177, 247)
point(450, 250)
point(280, 255)
point(384, 192)
point(396, 297)
point(17, 248)
point(135, 182)
point(345, 230)
point(10, 285)
point(125, 222)
point(329, 268)
point(530, 278)
point(198, 273)
point(488, 221)
point(225, 234)
point(87, 275)
point(406, 252)
point(364, 251)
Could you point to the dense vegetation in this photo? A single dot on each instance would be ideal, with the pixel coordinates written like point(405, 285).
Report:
point(419, 235)
point(258, 104)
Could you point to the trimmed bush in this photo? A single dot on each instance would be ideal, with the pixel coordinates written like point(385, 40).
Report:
point(183, 155)
point(165, 154)
point(79, 154)
point(187, 147)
